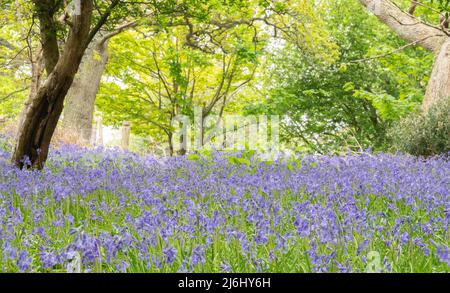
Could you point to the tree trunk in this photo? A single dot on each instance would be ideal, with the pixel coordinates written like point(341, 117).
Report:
point(439, 84)
point(429, 37)
point(37, 67)
point(80, 105)
point(42, 115)
point(170, 140)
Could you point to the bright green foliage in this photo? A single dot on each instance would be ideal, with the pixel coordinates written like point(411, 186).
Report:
point(14, 64)
point(329, 65)
point(151, 80)
point(207, 61)
point(349, 103)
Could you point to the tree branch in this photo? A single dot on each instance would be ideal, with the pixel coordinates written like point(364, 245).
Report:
point(389, 53)
point(102, 20)
point(13, 93)
point(406, 25)
point(118, 30)
point(7, 44)
point(412, 7)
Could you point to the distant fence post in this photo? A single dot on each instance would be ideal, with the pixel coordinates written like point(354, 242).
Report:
point(126, 128)
point(99, 131)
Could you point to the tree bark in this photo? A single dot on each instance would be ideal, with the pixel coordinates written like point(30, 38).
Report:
point(80, 105)
point(170, 140)
point(37, 64)
point(49, 37)
point(429, 37)
point(439, 84)
point(42, 115)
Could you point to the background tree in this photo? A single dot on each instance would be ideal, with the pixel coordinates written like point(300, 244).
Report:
point(339, 77)
point(433, 36)
point(192, 62)
point(163, 79)
point(350, 101)
point(80, 102)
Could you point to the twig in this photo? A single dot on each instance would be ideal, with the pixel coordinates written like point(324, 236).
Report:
point(393, 51)
point(13, 93)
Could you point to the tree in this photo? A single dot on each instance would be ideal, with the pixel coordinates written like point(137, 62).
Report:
point(205, 24)
point(80, 101)
point(163, 79)
point(430, 36)
point(198, 60)
point(79, 108)
point(61, 63)
point(347, 102)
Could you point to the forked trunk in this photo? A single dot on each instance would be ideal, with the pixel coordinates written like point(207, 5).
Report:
point(43, 112)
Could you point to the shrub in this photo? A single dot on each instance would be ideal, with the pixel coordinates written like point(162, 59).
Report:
point(423, 134)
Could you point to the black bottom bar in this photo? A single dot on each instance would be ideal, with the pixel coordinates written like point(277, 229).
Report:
point(223, 282)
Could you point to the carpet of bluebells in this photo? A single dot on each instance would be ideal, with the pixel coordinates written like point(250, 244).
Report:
point(109, 211)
